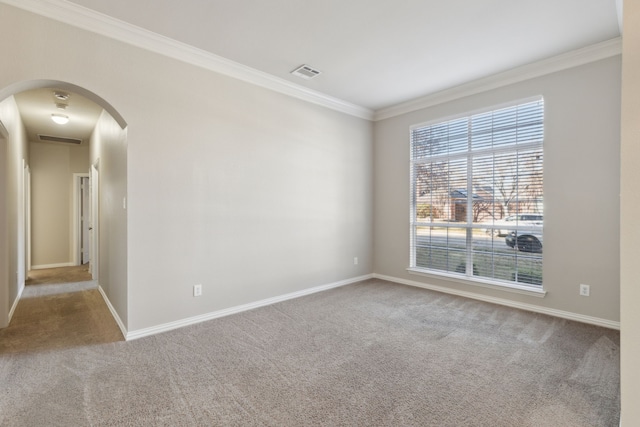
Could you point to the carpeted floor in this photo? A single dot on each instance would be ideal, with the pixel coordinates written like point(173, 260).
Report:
point(78, 273)
point(59, 308)
point(367, 354)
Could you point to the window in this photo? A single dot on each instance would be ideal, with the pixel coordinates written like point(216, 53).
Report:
point(476, 195)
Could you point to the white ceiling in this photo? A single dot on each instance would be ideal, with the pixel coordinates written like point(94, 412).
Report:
point(37, 105)
point(376, 53)
point(372, 53)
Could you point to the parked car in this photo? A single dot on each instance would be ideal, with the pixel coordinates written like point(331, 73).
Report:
point(525, 240)
point(503, 227)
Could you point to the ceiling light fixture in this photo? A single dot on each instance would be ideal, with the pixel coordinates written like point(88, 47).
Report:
point(60, 119)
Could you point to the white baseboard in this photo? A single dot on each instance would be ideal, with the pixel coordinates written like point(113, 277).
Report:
point(15, 302)
point(233, 310)
point(522, 306)
point(43, 266)
point(113, 311)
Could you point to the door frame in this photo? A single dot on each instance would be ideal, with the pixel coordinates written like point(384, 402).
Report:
point(94, 206)
point(76, 231)
point(26, 193)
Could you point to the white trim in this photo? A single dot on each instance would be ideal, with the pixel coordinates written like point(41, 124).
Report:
point(43, 266)
point(15, 303)
point(238, 309)
point(507, 287)
point(113, 311)
point(90, 20)
point(561, 62)
point(76, 246)
point(500, 301)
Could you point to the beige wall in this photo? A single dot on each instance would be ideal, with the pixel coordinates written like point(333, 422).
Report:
point(581, 185)
point(109, 153)
point(251, 193)
point(16, 158)
point(630, 212)
point(4, 246)
point(52, 169)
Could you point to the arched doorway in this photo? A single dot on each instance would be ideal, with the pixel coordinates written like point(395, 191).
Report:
point(109, 129)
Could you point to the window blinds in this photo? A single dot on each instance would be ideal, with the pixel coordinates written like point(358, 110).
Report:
point(477, 186)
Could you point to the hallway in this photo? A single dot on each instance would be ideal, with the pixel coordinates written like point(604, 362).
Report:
point(59, 308)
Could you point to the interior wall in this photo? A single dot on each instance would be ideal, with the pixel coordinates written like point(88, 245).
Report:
point(4, 246)
point(581, 187)
point(630, 212)
point(109, 152)
point(251, 193)
point(52, 169)
point(17, 156)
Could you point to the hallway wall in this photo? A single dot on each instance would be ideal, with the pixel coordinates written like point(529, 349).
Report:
point(109, 153)
point(52, 169)
point(17, 156)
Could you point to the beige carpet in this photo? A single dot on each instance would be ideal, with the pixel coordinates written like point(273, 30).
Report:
point(367, 354)
point(54, 317)
point(79, 273)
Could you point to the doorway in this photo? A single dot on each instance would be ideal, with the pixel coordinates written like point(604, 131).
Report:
point(48, 244)
point(82, 226)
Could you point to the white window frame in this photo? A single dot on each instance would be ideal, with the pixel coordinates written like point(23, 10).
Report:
point(469, 154)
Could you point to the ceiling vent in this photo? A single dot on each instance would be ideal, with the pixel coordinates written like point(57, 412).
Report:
point(306, 72)
point(59, 139)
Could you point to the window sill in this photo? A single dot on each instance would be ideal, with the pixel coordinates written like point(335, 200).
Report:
point(495, 285)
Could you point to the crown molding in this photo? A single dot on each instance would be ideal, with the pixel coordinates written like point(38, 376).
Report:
point(90, 20)
point(554, 64)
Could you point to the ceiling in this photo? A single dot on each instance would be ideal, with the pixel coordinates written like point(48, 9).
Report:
point(376, 53)
point(36, 107)
point(372, 53)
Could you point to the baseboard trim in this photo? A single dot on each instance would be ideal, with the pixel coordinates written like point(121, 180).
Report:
point(238, 309)
point(113, 311)
point(15, 303)
point(610, 324)
point(43, 266)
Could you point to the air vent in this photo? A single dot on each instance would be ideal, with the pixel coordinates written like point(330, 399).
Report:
point(59, 139)
point(306, 72)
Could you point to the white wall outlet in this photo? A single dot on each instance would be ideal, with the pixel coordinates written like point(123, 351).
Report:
point(355, 261)
point(197, 290)
point(584, 290)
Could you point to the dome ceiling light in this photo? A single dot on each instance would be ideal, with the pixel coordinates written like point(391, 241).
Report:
point(60, 119)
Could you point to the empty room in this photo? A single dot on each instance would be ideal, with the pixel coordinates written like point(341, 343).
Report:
point(407, 213)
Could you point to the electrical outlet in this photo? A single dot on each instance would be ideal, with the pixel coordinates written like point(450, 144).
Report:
point(584, 290)
point(355, 261)
point(197, 290)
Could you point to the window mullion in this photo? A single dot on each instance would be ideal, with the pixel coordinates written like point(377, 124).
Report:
point(469, 229)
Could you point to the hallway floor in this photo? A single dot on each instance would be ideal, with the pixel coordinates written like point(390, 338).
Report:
point(77, 273)
point(55, 312)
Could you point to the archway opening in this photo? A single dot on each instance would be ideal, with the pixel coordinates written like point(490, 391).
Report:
point(47, 166)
